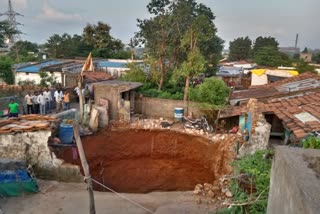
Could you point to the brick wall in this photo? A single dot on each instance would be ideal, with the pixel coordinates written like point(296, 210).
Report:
point(156, 107)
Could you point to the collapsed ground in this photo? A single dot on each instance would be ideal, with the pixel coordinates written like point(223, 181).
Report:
point(142, 161)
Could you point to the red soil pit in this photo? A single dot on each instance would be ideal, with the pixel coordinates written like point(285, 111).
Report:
point(140, 161)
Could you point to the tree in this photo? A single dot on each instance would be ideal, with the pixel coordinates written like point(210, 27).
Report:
point(156, 35)
point(134, 42)
point(240, 48)
point(212, 91)
point(23, 51)
point(6, 73)
point(53, 45)
point(135, 74)
point(262, 42)
point(173, 33)
point(194, 65)
point(270, 56)
point(305, 50)
point(6, 32)
point(47, 80)
point(302, 66)
point(98, 36)
point(316, 57)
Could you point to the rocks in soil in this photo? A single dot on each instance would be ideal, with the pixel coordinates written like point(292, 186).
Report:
point(229, 194)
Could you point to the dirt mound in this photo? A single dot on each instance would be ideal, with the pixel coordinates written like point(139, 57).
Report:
point(142, 161)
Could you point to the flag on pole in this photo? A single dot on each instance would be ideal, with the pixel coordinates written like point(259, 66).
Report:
point(88, 65)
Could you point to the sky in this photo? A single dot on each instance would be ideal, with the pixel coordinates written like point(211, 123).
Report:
point(281, 19)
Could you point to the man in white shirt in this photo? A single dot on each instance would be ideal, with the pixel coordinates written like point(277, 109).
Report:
point(29, 103)
point(42, 101)
point(36, 105)
point(77, 90)
point(48, 96)
point(58, 95)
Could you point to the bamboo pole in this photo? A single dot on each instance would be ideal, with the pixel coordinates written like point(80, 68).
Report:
point(85, 168)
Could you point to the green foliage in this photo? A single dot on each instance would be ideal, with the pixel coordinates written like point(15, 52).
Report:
point(305, 50)
point(6, 32)
point(176, 29)
point(47, 80)
point(257, 167)
point(240, 49)
point(262, 42)
point(316, 58)
point(26, 82)
point(270, 56)
point(98, 36)
point(302, 66)
point(23, 51)
point(135, 74)
point(311, 143)
point(6, 73)
point(212, 92)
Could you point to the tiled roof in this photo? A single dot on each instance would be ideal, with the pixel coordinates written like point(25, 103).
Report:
point(91, 77)
point(302, 82)
point(286, 109)
point(26, 123)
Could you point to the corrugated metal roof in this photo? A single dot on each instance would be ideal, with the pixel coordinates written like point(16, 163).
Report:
point(112, 64)
point(37, 67)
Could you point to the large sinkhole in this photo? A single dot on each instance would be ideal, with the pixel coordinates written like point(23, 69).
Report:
point(140, 161)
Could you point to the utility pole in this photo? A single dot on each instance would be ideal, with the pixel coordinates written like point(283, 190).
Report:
point(85, 168)
point(11, 18)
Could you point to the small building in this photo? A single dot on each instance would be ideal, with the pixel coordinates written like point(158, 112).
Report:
point(266, 76)
point(307, 57)
point(31, 72)
point(120, 95)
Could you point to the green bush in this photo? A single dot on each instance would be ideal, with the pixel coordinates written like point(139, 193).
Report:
point(212, 91)
point(311, 143)
point(257, 168)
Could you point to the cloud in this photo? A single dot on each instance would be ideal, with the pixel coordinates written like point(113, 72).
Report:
point(19, 4)
point(50, 14)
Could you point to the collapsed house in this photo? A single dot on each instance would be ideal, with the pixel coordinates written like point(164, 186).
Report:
point(291, 106)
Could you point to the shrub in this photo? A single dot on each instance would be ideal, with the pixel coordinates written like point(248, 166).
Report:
point(311, 143)
point(257, 169)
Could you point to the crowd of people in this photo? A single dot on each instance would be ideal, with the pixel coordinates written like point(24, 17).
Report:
point(42, 102)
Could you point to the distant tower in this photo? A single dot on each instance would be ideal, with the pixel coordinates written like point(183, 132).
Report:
point(11, 18)
point(297, 38)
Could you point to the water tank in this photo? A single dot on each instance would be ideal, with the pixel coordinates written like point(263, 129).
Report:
point(66, 133)
point(178, 114)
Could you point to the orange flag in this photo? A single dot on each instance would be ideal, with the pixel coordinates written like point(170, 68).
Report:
point(88, 65)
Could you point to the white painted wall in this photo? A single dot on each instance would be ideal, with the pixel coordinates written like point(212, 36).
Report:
point(22, 76)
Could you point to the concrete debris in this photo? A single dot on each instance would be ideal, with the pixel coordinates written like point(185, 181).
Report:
point(229, 194)
point(259, 139)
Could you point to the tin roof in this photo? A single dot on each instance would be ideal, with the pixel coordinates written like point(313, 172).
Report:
point(35, 68)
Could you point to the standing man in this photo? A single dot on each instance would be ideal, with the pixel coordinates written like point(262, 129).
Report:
point(36, 105)
point(48, 96)
point(42, 102)
point(77, 90)
point(29, 103)
point(13, 108)
point(66, 100)
point(58, 96)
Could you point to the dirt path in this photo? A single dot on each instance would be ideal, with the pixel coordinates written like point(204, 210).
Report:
point(63, 198)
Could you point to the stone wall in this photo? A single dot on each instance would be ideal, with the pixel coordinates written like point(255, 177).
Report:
point(156, 107)
point(33, 148)
point(295, 184)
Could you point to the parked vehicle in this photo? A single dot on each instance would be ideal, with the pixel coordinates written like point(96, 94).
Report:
point(200, 123)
